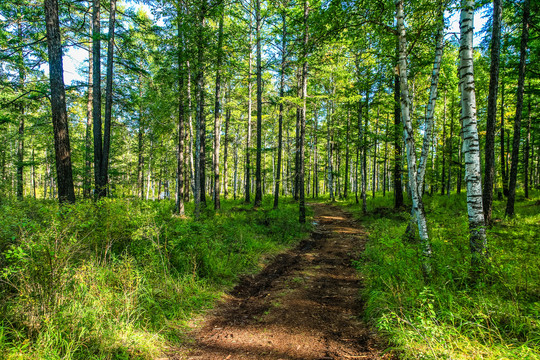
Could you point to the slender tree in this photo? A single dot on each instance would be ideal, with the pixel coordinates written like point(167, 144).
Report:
point(417, 203)
point(280, 116)
point(471, 145)
point(489, 167)
point(62, 147)
point(258, 179)
point(302, 204)
point(217, 112)
point(519, 110)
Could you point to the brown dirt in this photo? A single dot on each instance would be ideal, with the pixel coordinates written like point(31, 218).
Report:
point(304, 305)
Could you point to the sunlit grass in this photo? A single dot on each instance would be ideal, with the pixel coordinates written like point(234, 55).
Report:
point(498, 318)
point(123, 278)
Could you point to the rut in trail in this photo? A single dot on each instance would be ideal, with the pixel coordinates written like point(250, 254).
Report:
point(304, 305)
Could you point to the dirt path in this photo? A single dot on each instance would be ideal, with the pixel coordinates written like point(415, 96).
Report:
point(303, 305)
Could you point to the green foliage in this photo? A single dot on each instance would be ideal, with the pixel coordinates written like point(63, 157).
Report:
point(119, 279)
point(448, 318)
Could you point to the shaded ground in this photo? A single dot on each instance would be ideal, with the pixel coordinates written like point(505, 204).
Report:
point(304, 305)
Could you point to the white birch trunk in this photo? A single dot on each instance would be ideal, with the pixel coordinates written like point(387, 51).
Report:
point(431, 107)
point(417, 204)
point(471, 145)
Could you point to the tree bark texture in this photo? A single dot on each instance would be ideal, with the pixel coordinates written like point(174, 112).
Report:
point(417, 204)
point(489, 157)
point(471, 145)
point(519, 110)
point(66, 191)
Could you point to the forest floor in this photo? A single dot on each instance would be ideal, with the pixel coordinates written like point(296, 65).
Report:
point(305, 304)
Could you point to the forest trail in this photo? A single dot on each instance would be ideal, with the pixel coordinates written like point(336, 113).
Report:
point(304, 305)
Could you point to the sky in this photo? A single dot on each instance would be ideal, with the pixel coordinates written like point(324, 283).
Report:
point(74, 58)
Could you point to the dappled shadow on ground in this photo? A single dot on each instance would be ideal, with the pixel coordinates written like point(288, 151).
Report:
point(304, 305)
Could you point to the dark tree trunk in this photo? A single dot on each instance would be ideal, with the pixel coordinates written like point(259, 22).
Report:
point(346, 184)
point(450, 147)
point(258, 179)
point(385, 169)
point(87, 184)
point(20, 140)
point(443, 173)
point(297, 135)
point(302, 204)
point(96, 100)
point(374, 178)
point(104, 172)
point(398, 190)
point(247, 182)
point(489, 167)
point(519, 109)
point(140, 160)
point(181, 127)
point(217, 113)
point(315, 157)
point(280, 119)
point(66, 192)
point(226, 152)
point(504, 162)
point(200, 131)
point(527, 147)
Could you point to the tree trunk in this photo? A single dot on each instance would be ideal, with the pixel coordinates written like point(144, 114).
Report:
point(280, 118)
point(346, 185)
point(364, 157)
point(66, 191)
point(504, 162)
point(471, 145)
point(258, 184)
point(417, 203)
point(385, 168)
point(489, 167)
point(302, 203)
point(140, 143)
point(527, 148)
point(226, 149)
point(450, 147)
point(374, 177)
point(104, 172)
point(87, 182)
point(444, 146)
point(519, 109)
point(200, 128)
point(180, 210)
point(398, 187)
point(217, 112)
point(96, 100)
point(430, 112)
point(329, 151)
point(247, 183)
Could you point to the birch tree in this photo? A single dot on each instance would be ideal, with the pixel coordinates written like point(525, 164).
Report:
point(471, 145)
point(408, 134)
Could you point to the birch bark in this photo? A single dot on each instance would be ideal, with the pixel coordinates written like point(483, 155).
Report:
point(417, 204)
point(471, 145)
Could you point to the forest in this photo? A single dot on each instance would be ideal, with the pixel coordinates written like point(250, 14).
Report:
point(197, 143)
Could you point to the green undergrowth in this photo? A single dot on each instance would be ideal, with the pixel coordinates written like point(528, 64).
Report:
point(498, 318)
point(121, 279)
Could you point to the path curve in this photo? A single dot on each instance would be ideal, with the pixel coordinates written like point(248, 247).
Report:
point(304, 305)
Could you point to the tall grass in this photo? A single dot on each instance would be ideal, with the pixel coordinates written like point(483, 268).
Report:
point(498, 318)
point(120, 279)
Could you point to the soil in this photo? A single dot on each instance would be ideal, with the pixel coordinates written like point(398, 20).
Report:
point(304, 305)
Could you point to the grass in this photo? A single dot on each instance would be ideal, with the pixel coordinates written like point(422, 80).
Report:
point(498, 318)
point(121, 279)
